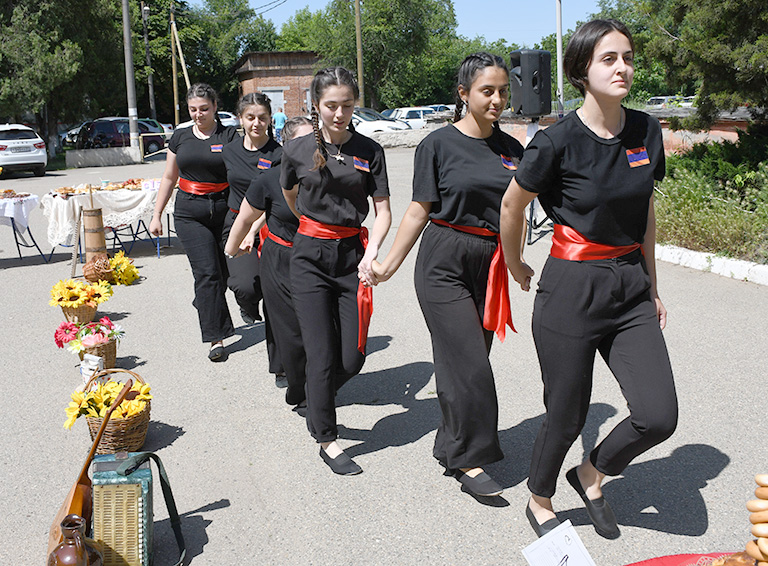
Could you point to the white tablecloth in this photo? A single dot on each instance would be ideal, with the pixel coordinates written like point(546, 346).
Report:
point(18, 209)
point(118, 208)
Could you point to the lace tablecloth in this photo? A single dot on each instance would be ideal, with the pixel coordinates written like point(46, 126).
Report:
point(18, 209)
point(118, 208)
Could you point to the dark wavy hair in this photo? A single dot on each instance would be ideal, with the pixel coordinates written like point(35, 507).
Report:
point(325, 78)
point(203, 90)
point(581, 47)
point(255, 99)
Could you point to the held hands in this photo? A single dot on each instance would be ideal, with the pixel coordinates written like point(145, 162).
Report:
point(522, 273)
point(364, 268)
point(379, 272)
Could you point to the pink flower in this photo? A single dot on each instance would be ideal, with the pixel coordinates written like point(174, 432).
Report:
point(94, 339)
point(65, 333)
point(106, 322)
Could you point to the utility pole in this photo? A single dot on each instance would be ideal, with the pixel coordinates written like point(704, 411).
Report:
point(359, 38)
point(174, 72)
point(150, 75)
point(560, 102)
point(130, 82)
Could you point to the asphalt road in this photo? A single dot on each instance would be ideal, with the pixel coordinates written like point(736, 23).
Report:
point(247, 476)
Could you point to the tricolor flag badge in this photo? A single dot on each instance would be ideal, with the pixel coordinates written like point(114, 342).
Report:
point(264, 163)
point(361, 164)
point(217, 148)
point(507, 162)
point(638, 157)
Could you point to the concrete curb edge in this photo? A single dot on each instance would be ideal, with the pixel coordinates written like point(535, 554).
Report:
point(733, 268)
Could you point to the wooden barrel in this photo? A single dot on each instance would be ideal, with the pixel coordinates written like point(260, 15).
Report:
point(93, 227)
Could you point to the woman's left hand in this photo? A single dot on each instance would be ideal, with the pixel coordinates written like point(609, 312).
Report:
point(246, 246)
point(661, 312)
point(364, 269)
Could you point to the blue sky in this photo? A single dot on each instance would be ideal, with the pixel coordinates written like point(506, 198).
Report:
point(523, 22)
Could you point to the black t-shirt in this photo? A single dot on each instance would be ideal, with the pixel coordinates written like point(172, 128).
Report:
point(338, 193)
point(600, 188)
point(265, 194)
point(463, 177)
point(201, 160)
point(243, 165)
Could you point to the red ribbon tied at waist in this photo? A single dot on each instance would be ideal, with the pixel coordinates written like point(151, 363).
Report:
point(199, 188)
point(315, 229)
point(569, 244)
point(497, 314)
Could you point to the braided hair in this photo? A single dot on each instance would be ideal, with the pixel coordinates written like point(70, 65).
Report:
point(468, 69)
point(204, 90)
point(255, 99)
point(324, 78)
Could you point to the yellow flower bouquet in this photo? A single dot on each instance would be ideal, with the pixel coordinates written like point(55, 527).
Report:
point(96, 403)
point(123, 269)
point(78, 299)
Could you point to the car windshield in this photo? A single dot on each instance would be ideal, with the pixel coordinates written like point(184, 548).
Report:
point(370, 115)
point(17, 135)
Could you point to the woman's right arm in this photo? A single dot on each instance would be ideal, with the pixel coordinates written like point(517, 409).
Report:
point(412, 224)
point(167, 184)
point(512, 230)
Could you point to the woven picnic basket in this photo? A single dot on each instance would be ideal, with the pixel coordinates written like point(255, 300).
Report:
point(121, 435)
point(107, 351)
point(83, 313)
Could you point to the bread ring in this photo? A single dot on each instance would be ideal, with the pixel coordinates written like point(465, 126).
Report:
point(762, 544)
point(757, 518)
point(754, 551)
point(762, 480)
point(761, 493)
point(760, 530)
point(757, 505)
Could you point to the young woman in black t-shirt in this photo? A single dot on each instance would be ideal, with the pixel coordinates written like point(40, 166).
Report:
point(460, 174)
point(195, 161)
point(327, 180)
point(246, 159)
point(264, 198)
point(594, 173)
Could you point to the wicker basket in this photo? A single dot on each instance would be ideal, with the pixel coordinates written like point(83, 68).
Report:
point(99, 269)
point(121, 435)
point(107, 351)
point(83, 313)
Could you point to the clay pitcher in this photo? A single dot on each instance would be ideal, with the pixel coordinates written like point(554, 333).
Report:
point(73, 550)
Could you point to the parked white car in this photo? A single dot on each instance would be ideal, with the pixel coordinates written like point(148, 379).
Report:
point(21, 149)
point(367, 122)
point(416, 116)
point(226, 118)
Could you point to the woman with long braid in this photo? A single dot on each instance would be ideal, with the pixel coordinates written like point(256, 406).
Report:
point(327, 180)
point(460, 174)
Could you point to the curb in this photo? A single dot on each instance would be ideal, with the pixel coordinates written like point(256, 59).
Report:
point(733, 268)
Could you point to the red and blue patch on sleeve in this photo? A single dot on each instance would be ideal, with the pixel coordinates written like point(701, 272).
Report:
point(361, 164)
point(638, 157)
point(264, 163)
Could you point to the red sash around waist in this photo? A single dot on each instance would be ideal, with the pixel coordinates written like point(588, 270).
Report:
point(497, 313)
point(233, 210)
point(264, 233)
point(569, 244)
point(198, 188)
point(315, 229)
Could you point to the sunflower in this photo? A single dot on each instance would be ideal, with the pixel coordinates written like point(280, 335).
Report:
point(100, 291)
point(67, 293)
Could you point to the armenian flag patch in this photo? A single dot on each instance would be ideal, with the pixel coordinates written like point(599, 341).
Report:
point(508, 163)
point(217, 148)
point(361, 164)
point(638, 157)
point(264, 163)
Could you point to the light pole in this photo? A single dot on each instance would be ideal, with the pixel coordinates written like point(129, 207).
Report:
point(150, 75)
point(359, 41)
point(130, 81)
point(560, 102)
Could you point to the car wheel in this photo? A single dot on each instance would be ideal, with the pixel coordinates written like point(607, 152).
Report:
point(153, 147)
point(39, 171)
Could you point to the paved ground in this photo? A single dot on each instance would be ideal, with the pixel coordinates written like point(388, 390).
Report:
point(248, 479)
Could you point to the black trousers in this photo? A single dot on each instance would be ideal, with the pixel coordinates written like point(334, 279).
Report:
point(599, 306)
point(281, 317)
point(324, 289)
point(451, 274)
point(199, 220)
point(243, 277)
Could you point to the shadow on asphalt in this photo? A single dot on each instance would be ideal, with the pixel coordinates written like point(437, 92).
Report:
point(393, 386)
point(193, 527)
point(161, 435)
point(249, 336)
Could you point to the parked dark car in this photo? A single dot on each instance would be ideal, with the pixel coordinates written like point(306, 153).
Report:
point(115, 132)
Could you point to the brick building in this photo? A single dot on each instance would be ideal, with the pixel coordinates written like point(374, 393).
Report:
point(284, 76)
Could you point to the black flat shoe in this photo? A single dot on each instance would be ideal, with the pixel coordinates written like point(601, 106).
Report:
point(341, 464)
point(598, 509)
point(248, 319)
point(217, 354)
point(281, 381)
point(540, 530)
point(482, 484)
